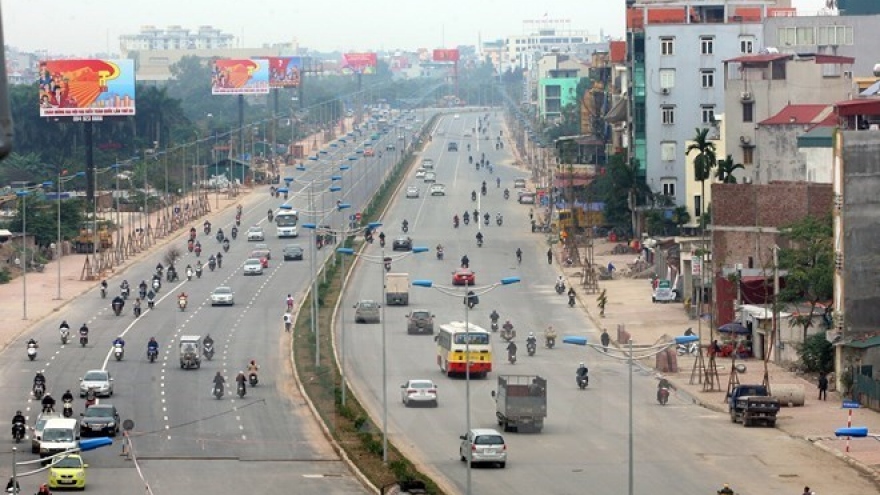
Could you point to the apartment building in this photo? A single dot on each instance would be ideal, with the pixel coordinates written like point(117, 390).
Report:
point(176, 38)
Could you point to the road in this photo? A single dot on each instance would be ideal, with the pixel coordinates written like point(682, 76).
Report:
point(680, 448)
point(266, 439)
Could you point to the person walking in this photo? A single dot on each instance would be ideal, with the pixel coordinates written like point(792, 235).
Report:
point(606, 339)
point(288, 321)
point(550, 256)
point(823, 386)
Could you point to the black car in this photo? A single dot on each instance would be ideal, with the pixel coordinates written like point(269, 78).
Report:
point(100, 419)
point(402, 243)
point(293, 252)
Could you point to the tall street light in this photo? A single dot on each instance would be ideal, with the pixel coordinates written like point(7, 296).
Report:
point(630, 357)
point(62, 180)
point(467, 291)
point(382, 260)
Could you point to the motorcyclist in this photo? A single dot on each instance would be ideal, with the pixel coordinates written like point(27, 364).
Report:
point(48, 403)
point(152, 346)
point(405, 224)
point(207, 226)
point(508, 326)
point(103, 287)
point(150, 297)
point(499, 218)
point(476, 215)
point(220, 235)
point(208, 341)
point(44, 490)
point(118, 302)
point(119, 340)
point(506, 193)
point(219, 381)
point(494, 316)
point(466, 217)
point(226, 244)
point(549, 336)
point(39, 379)
point(198, 268)
point(270, 214)
point(725, 490)
point(440, 250)
point(142, 287)
point(124, 286)
point(511, 349)
point(519, 255)
point(465, 262)
point(212, 261)
point(172, 273)
point(663, 383)
point(84, 330)
point(252, 367)
point(472, 299)
point(531, 339)
point(455, 220)
point(18, 418)
point(241, 380)
point(182, 297)
point(479, 237)
point(560, 282)
point(189, 271)
point(219, 260)
point(473, 195)
point(32, 343)
point(67, 397)
point(137, 307)
point(486, 217)
point(497, 181)
point(234, 231)
point(571, 296)
point(581, 371)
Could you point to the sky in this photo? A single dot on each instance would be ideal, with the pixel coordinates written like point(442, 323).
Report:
point(87, 27)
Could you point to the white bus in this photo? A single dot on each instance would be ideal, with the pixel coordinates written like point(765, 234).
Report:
point(285, 221)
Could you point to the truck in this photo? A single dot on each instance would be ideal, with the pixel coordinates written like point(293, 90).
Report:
point(397, 289)
point(751, 404)
point(521, 402)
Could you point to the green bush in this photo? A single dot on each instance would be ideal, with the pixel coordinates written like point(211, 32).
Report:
point(816, 354)
point(5, 277)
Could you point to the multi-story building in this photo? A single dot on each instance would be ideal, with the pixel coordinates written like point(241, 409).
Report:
point(176, 38)
point(677, 51)
point(778, 157)
point(547, 35)
point(558, 77)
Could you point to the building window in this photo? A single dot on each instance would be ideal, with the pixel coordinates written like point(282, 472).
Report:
point(698, 205)
point(747, 44)
point(707, 114)
point(667, 46)
point(667, 151)
point(668, 114)
point(748, 111)
point(667, 78)
point(707, 45)
point(834, 35)
point(669, 188)
point(806, 36)
point(707, 78)
point(748, 155)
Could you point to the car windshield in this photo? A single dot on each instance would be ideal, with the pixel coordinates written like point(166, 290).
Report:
point(255, 229)
point(368, 305)
point(489, 440)
point(421, 385)
point(475, 338)
point(223, 290)
point(95, 376)
point(421, 315)
point(69, 462)
point(57, 435)
point(99, 412)
point(252, 262)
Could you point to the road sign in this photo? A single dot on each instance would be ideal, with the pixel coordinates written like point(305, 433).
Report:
point(351, 217)
point(357, 215)
point(850, 404)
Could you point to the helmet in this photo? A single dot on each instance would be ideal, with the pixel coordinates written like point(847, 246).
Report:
point(531, 334)
point(581, 365)
point(253, 361)
point(18, 413)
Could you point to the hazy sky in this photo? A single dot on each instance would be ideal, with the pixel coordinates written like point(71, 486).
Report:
point(83, 27)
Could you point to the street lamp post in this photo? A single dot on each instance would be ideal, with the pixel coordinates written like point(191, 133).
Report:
point(382, 260)
point(477, 291)
point(58, 241)
point(23, 196)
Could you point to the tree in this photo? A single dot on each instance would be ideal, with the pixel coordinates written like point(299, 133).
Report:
point(622, 189)
point(809, 263)
point(817, 354)
point(726, 168)
point(704, 162)
point(42, 219)
point(680, 216)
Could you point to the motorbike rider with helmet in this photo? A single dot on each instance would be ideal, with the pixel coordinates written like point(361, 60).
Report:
point(252, 367)
point(119, 340)
point(18, 418)
point(582, 372)
point(531, 340)
point(479, 238)
point(48, 403)
point(39, 379)
point(67, 397)
point(84, 331)
point(241, 381)
point(152, 346)
point(219, 382)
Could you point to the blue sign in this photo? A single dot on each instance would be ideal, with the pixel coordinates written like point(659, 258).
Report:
point(351, 217)
point(850, 404)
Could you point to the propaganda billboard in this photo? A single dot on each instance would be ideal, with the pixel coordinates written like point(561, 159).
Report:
point(92, 88)
point(358, 63)
point(240, 77)
point(284, 72)
point(446, 55)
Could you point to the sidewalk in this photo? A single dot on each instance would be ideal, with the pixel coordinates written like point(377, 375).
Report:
point(629, 305)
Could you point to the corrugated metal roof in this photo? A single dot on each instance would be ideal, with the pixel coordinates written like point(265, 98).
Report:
point(763, 58)
point(865, 343)
point(815, 114)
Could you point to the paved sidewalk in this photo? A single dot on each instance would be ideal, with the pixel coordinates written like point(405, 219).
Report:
point(629, 305)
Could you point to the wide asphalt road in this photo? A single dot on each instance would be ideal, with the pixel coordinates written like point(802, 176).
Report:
point(680, 448)
point(182, 435)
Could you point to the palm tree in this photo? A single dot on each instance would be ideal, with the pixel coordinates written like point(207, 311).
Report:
point(704, 162)
point(726, 168)
point(626, 180)
point(680, 216)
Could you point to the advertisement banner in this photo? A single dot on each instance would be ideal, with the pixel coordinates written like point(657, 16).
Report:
point(86, 88)
point(284, 72)
point(358, 63)
point(444, 55)
point(240, 77)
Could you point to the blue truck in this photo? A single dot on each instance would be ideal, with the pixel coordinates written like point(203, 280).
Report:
point(752, 404)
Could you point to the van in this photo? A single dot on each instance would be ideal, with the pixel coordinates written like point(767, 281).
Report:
point(59, 434)
point(42, 419)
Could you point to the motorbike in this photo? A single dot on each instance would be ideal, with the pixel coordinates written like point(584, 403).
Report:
point(571, 301)
point(198, 252)
point(189, 245)
point(67, 408)
point(479, 242)
point(39, 390)
point(136, 311)
point(381, 242)
point(219, 237)
point(151, 303)
point(124, 292)
point(506, 194)
point(156, 285)
point(486, 220)
point(103, 292)
point(270, 215)
point(582, 381)
point(253, 379)
point(117, 308)
point(499, 220)
point(65, 335)
point(32, 351)
point(143, 293)
point(207, 229)
point(181, 303)
point(241, 390)
point(198, 273)
point(550, 341)
point(511, 357)
point(560, 288)
point(18, 431)
point(189, 275)
point(152, 354)
point(212, 264)
point(531, 347)
point(226, 246)
point(234, 233)
point(208, 351)
point(387, 265)
point(508, 334)
point(439, 254)
point(405, 228)
point(118, 351)
point(474, 196)
point(663, 395)
point(690, 348)
point(467, 220)
point(494, 326)
point(218, 390)
point(172, 276)
point(83, 340)
point(455, 223)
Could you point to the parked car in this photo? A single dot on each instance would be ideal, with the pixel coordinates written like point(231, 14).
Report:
point(100, 419)
point(402, 243)
point(253, 266)
point(463, 276)
point(418, 392)
point(485, 445)
point(292, 252)
point(366, 311)
point(420, 321)
point(437, 190)
point(412, 192)
point(98, 380)
point(222, 296)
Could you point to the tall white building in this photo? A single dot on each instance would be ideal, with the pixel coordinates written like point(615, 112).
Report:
point(176, 38)
point(544, 36)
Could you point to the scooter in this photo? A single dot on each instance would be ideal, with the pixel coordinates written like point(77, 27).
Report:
point(663, 395)
point(83, 340)
point(181, 303)
point(212, 264)
point(583, 381)
point(198, 273)
point(531, 347)
point(405, 228)
point(151, 303)
point(218, 390)
point(226, 246)
point(65, 335)
point(241, 390)
point(235, 232)
point(494, 326)
point(550, 342)
point(67, 408)
point(499, 220)
point(124, 292)
point(18, 431)
point(117, 309)
point(209, 351)
point(189, 274)
point(439, 254)
point(39, 390)
point(571, 301)
point(560, 288)
point(156, 285)
point(152, 354)
point(32, 352)
point(511, 357)
point(118, 351)
point(253, 379)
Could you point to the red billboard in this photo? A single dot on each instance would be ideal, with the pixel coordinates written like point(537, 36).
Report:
point(446, 55)
point(240, 77)
point(358, 63)
point(90, 88)
point(284, 72)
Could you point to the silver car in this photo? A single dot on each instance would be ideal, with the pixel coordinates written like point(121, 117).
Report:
point(256, 234)
point(418, 391)
point(412, 192)
point(366, 312)
point(486, 446)
point(222, 296)
point(98, 380)
point(253, 266)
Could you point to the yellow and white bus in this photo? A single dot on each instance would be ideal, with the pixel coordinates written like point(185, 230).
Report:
point(454, 341)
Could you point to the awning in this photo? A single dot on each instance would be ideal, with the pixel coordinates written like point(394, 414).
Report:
point(617, 112)
point(864, 344)
point(5, 233)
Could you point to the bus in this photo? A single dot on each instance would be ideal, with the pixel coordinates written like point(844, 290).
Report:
point(285, 221)
point(452, 340)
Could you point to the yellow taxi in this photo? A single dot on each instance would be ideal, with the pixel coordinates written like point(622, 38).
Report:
point(69, 472)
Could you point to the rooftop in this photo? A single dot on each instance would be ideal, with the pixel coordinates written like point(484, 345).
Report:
point(810, 114)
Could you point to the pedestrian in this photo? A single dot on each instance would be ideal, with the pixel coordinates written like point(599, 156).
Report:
point(606, 339)
point(550, 256)
point(288, 321)
point(823, 388)
point(808, 492)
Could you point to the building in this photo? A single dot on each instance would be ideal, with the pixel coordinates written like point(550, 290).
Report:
point(176, 38)
point(760, 86)
point(557, 77)
point(544, 36)
point(154, 66)
point(778, 158)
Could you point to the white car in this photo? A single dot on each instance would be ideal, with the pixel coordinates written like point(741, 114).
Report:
point(430, 177)
point(256, 234)
point(412, 192)
point(418, 391)
point(420, 173)
point(485, 445)
point(456, 116)
point(222, 296)
point(98, 380)
point(437, 190)
point(253, 266)
point(428, 164)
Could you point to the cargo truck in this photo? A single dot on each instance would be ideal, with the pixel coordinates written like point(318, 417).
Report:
point(521, 402)
point(397, 289)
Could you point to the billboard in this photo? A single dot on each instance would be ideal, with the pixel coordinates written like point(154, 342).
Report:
point(240, 77)
point(284, 72)
point(358, 63)
point(446, 55)
point(86, 88)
